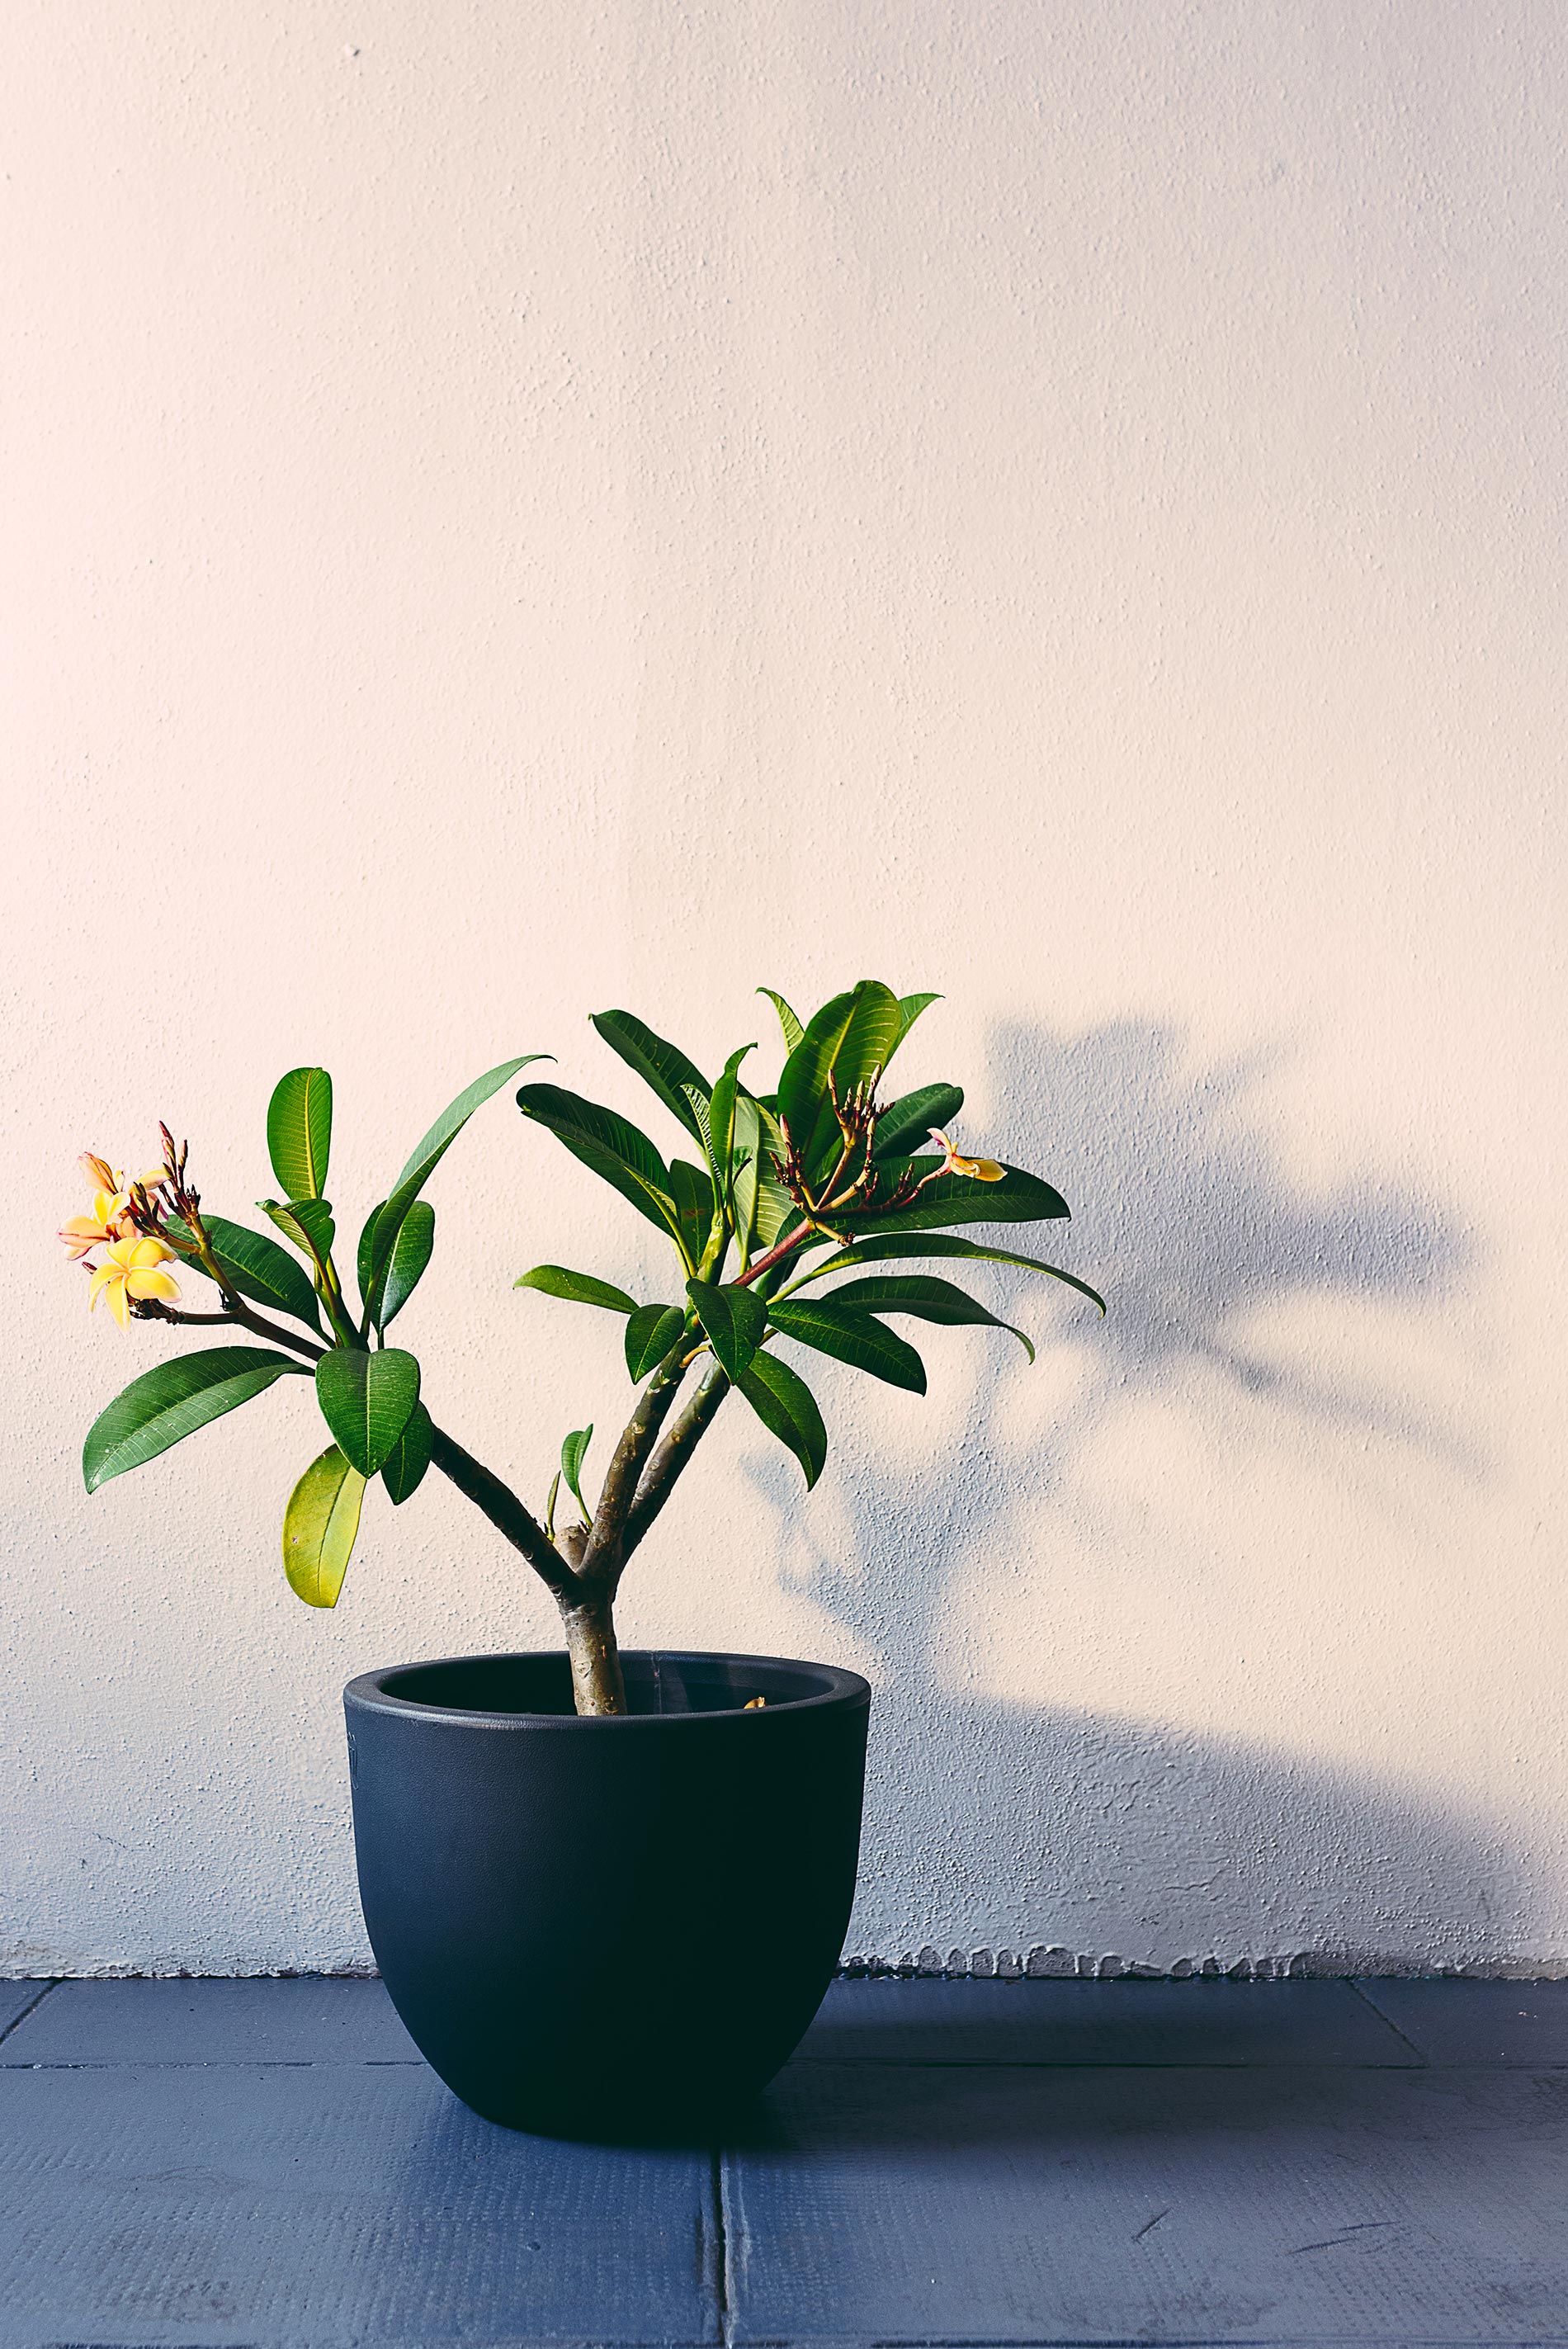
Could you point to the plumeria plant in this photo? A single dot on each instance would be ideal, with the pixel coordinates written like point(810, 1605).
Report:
point(817, 1180)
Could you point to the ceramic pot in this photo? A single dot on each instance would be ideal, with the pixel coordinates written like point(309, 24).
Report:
point(614, 1925)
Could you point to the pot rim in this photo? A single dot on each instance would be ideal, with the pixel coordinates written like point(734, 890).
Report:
point(368, 1690)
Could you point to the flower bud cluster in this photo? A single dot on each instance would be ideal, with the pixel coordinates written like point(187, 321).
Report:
point(125, 1221)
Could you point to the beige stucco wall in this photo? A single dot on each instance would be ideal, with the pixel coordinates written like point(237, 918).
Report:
point(516, 510)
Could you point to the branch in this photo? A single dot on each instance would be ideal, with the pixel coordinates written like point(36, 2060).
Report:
point(240, 1311)
point(691, 1421)
point(152, 1308)
point(505, 1512)
point(605, 1552)
point(775, 1255)
point(238, 1315)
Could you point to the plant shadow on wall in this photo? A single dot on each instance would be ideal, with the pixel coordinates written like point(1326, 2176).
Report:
point(1047, 1515)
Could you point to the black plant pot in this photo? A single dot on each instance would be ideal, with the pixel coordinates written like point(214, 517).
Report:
point(607, 1926)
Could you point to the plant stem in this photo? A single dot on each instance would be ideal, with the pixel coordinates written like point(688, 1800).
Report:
point(337, 1312)
point(234, 1303)
point(597, 1685)
point(776, 1254)
point(585, 1598)
point(690, 1423)
point(239, 1316)
point(506, 1512)
point(605, 1553)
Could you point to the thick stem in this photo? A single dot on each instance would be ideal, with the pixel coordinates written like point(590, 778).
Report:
point(597, 1685)
point(605, 1554)
point(659, 1480)
point(505, 1512)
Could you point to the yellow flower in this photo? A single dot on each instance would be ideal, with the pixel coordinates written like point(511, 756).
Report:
point(979, 1169)
point(109, 1220)
point(131, 1270)
point(111, 1217)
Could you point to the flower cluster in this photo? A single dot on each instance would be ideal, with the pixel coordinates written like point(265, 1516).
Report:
point(132, 1269)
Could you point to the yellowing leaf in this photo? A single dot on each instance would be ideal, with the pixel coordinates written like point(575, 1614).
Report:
point(319, 1526)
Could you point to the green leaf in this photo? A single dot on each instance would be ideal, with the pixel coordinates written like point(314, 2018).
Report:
point(793, 1031)
point(721, 1118)
point(256, 1266)
point(363, 1254)
point(693, 1189)
point(404, 1467)
point(788, 1408)
point(776, 1211)
point(733, 1320)
point(616, 1150)
point(762, 1206)
point(871, 1037)
point(855, 1338)
point(426, 1156)
point(699, 1101)
point(173, 1400)
point(663, 1066)
point(366, 1401)
point(319, 1526)
point(874, 1246)
point(850, 1040)
point(650, 1333)
point(571, 1456)
point(1019, 1198)
point(746, 1155)
point(410, 1255)
point(433, 1146)
point(907, 1121)
point(577, 1288)
point(307, 1222)
point(923, 1295)
point(909, 1008)
point(299, 1131)
point(806, 1071)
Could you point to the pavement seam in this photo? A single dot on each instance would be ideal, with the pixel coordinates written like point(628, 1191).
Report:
point(720, 2279)
point(32, 2006)
point(1420, 2055)
point(1223, 2071)
point(218, 2063)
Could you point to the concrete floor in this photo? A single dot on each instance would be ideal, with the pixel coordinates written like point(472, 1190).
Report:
point(268, 2165)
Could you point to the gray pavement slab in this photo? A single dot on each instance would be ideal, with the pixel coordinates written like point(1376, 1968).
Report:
point(308, 2019)
point(1124, 2022)
point(947, 2164)
point(15, 1999)
point(1453, 2021)
point(977, 2204)
point(330, 2206)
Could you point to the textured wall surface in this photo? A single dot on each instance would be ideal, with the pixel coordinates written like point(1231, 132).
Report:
point(516, 510)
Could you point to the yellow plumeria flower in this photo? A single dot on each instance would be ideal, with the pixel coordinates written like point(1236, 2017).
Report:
point(109, 1220)
point(131, 1270)
point(111, 1217)
point(979, 1169)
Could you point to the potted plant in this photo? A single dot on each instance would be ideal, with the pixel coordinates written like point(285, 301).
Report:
point(559, 1853)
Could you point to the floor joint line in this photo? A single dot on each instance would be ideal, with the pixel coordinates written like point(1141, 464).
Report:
point(1368, 1999)
point(722, 2294)
point(32, 2006)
